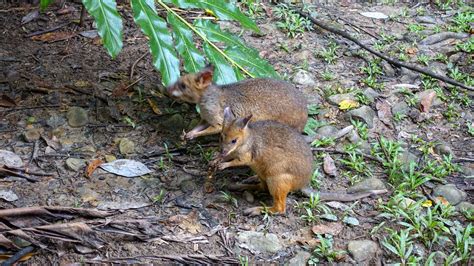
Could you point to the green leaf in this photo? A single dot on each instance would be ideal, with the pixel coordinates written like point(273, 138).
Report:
point(193, 60)
point(223, 72)
point(183, 3)
point(109, 23)
point(161, 43)
point(228, 11)
point(44, 4)
point(253, 63)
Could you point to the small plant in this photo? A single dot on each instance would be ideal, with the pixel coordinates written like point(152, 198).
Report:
point(398, 117)
point(470, 128)
point(356, 162)
point(324, 251)
point(243, 260)
point(361, 128)
point(462, 21)
point(291, 22)
point(329, 54)
point(441, 58)
point(327, 75)
point(400, 243)
point(414, 27)
point(467, 47)
point(451, 114)
point(362, 98)
point(311, 125)
point(316, 179)
point(160, 197)
point(324, 141)
point(423, 59)
point(254, 8)
point(403, 57)
point(229, 198)
point(456, 74)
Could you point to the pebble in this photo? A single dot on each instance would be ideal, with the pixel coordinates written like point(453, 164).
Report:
point(302, 77)
point(55, 121)
point(110, 158)
point(259, 242)
point(465, 206)
point(327, 131)
point(364, 113)
point(248, 196)
point(337, 98)
point(174, 123)
point(400, 108)
point(75, 164)
point(366, 185)
point(362, 250)
point(450, 192)
point(443, 149)
point(300, 258)
point(77, 117)
point(371, 94)
point(126, 146)
point(8, 195)
point(32, 134)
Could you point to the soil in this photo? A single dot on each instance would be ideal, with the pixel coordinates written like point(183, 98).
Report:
point(45, 79)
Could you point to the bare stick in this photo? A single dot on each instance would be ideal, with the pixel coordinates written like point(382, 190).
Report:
point(48, 30)
point(20, 254)
point(135, 64)
point(388, 59)
point(83, 15)
point(346, 153)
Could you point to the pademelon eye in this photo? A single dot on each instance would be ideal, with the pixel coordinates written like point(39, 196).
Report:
point(234, 141)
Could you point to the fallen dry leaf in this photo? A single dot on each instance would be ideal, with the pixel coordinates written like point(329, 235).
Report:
point(92, 166)
point(329, 166)
point(384, 112)
point(154, 106)
point(442, 200)
point(6, 101)
point(54, 36)
point(427, 100)
point(348, 104)
point(411, 50)
point(120, 90)
point(331, 228)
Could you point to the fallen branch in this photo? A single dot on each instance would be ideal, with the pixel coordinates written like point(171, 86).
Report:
point(49, 210)
point(388, 59)
point(20, 254)
point(184, 259)
point(347, 153)
point(47, 30)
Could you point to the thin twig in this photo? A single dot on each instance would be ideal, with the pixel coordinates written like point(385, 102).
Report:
point(458, 160)
point(132, 70)
point(83, 15)
point(47, 30)
point(388, 59)
point(20, 254)
point(347, 153)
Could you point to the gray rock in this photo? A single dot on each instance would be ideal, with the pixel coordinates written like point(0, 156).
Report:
point(32, 134)
point(362, 250)
point(465, 206)
point(371, 94)
point(181, 177)
point(468, 170)
point(75, 164)
point(450, 193)
point(8, 195)
point(426, 19)
point(9, 158)
point(327, 131)
point(126, 146)
point(259, 242)
point(364, 113)
point(401, 108)
point(406, 158)
point(248, 196)
point(419, 250)
point(188, 186)
point(443, 149)
point(302, 77)
point(337, 98)
point(388, 69)
point(300, 258)
point(55, 121)
point(439, 37)
point(174, 123)
point(408, 76)
point(366, 185)
point(77, 117)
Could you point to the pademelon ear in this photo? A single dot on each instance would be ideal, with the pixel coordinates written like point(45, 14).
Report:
point(228, 116)
point(204, 77)
point(245, 121)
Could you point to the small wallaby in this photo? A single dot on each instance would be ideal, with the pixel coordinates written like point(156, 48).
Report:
point(277, 153)
point(265, 98)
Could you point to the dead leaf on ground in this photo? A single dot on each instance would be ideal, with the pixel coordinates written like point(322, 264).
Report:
point(384, 111)
point(6, 101)
point(411, 50)
point(120, 90)
point(154, 106)
point(329, 166)
point(427, 100)
point(30, 17)
point(442, 200)
point(330, 228)
point(54, 36)
point(348, 104)
point(92, 166)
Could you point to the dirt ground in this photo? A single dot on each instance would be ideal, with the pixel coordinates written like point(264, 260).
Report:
point(167, 215)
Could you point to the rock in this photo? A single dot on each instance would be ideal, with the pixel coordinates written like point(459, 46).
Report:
point(406, 158)
point(55, 121)
point(302, 77)
point(248, 196)
point(303, 56)
point(126, 146)
point(8, 195)
point(300, 258)
point(364, 113)
point(465, 206)
point(366, 185)
point(468, 170)
point(188, 186)
point(371, 94)
point(174, 123)
point(259, 242)
point(419, 250)
point(337, 98)
point(408, 76)
point(77, 117)
point(32, 134)
point(388, 69)
point(110, 158)
point(439, 37)
point(75, 164)
point(452, 194)
point(443, 149)
point(327, 131)
point(181, 177)
point(362, 250)
point(9, 158)
point(400, 108)
point(426, 19)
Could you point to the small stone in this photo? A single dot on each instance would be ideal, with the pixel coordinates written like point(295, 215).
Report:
point(362, 250)
point(419, 250)
point(465, 207)
point(406, 158)
point(32, 134)
point(77, 117)
point(8, 195)
point(426, 19)
point(400, 108)
point(302, 77)
point(388, 69)
point(174, 123)
point(300, 258)
point(259, 242)
point(126, 146)
point(248, 196)
point(450, 192)
point(180, 178)
point(366, 185)
point(364, 113)
point(9, 158)
point(110, 158)
point(327, 131)
point(337, 98)
point(443, 149)
point(371, 94)
point(468, 170)
point(303, 56)
point(75, 164)
point(55, 121)
point(188, 186)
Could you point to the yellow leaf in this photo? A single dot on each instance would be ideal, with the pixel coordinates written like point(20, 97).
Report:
point(427, 203)
point(210, 13)
point(348, 104)
point(154, 106)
